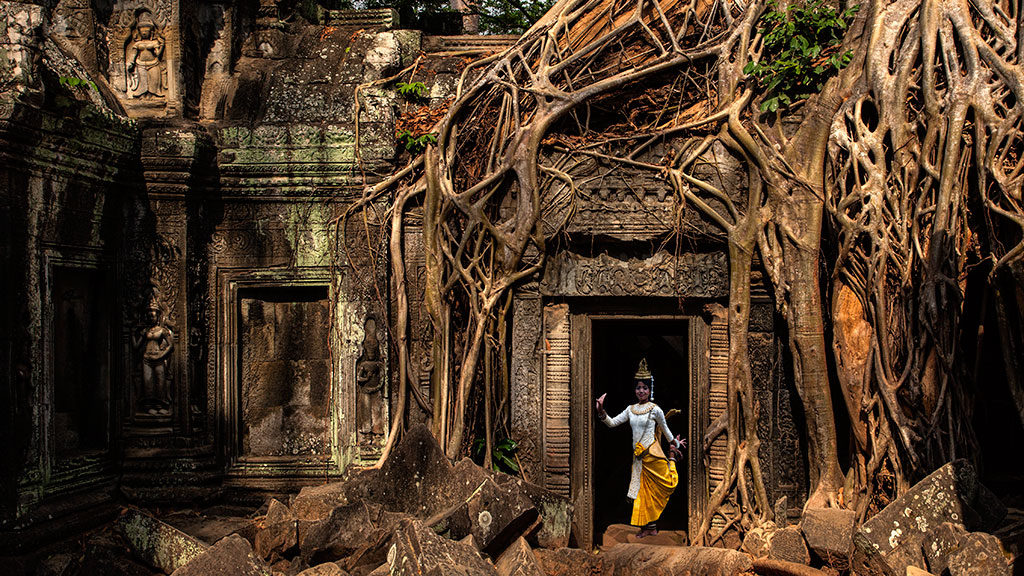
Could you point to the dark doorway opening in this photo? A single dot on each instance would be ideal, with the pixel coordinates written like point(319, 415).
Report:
point(618, 345)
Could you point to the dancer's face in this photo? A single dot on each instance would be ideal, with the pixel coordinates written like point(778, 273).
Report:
point(643, 391)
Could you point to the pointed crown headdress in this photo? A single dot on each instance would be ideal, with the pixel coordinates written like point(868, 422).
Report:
point(642, 373)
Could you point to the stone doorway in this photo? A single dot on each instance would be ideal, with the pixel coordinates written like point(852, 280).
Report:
point(603, 346)
point(617, 345)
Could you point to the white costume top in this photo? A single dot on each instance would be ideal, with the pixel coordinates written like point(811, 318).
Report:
point(644, 419)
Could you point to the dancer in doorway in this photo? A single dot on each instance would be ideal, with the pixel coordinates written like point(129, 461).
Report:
point(654, 475)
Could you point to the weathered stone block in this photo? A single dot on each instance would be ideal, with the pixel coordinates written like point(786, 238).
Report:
point(693, 561)
point(788, 544)
point(279, 533)
point(892, 539)
point(755, 541)
point(569, 562)
point(980, 554)
point(555, 513)
point(417, 550)
point(158, 544)
point(231, 556)
point(325, 569)
point(940, 543)
point(829, 534)
point(626, 534)
point(354, 535)
point(414, 478)
point(915, 571)
point(495, 516)
point(518, 560)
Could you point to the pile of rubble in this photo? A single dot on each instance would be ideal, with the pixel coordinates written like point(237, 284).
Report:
point(419, 514)
point(948, 524)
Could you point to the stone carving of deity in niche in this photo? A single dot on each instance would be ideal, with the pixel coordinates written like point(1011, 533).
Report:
point(144, 59)
point(369, 388)
point(155, 342)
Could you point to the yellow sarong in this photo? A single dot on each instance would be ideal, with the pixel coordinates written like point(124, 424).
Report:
point(658, 479)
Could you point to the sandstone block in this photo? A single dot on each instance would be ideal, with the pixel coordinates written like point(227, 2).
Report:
point(788, 544)
point(518, 560)
point(980, 554)
point(231, 556)
point(417, 550)
point(829, 534)
point(158, 544)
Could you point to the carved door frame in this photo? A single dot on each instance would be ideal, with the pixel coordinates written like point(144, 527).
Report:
point(230, 282)
point(69, 474)
point(568, 333)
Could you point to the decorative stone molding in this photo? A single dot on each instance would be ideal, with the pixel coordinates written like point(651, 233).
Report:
point(689, 275)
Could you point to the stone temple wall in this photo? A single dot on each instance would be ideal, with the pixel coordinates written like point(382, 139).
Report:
point(188, 318)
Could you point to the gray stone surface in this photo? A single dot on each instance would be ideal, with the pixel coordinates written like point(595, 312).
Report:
point(232, 556)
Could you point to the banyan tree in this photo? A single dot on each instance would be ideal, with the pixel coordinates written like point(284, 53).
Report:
point(881, 150)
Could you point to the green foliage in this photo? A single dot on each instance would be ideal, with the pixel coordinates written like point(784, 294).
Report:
point(413, 143)
point(412, 90)
point(801, 50)
point(502, 454)
point(511, 16)
point(72, 82)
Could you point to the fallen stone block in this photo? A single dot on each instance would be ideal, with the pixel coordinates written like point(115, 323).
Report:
point(231, 556)
point(316, 502)
point(495, 516)
point(353, 535)
point(106, 553)
point(891, 540)
point(788, 544)
point(624, 533)
point(518, 560)
point(569, 562)
point(325, 569)
point(829, 534)
point(416, 550)
point(915, 571)
point(940, 543)
point(416, 478)
point(980, 554)
point(555, 513)
point(640, 560)
point(279, 534)
point(773, 567)
point(755, 541)
point(157, 543)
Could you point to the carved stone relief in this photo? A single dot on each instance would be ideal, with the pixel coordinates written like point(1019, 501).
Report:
point(370, 398)
point(154, 342)
point(141, 48)
point(689, 275)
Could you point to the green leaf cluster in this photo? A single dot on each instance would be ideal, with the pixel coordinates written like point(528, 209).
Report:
point(801, 50)
point(413, 143)
point(412, 90)
point(72, 82)
point(502, 454)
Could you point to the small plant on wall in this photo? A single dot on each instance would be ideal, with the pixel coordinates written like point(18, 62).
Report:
point(800, 51)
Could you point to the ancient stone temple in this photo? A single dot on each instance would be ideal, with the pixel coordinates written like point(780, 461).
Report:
point(189, 319)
